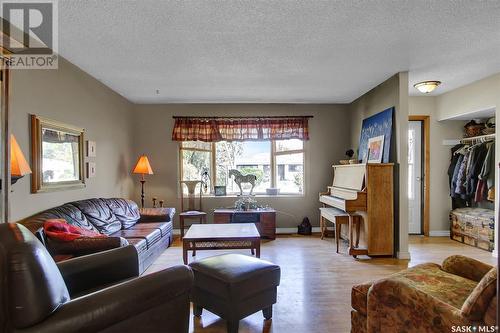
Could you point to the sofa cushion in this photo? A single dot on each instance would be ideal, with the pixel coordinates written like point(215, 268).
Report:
point(430, 279)
point(100, 215)
point(479, 299)
point(68, 212)
point(151, 236)
point(359, 297)
point(164, 227)
point(235, 276)
point(126, 211)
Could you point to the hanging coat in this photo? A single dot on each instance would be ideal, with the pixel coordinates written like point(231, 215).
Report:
point(455, 176)
point(486, 178)
point(462, 176)
point(476, 163)
point(453, 163)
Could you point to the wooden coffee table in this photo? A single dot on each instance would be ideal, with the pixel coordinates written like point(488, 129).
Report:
point(221, 237)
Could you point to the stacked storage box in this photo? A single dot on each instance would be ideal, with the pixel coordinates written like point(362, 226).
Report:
point(473, 226)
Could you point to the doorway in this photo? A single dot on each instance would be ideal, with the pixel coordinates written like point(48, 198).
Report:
point(415, 177)
point(418, 175)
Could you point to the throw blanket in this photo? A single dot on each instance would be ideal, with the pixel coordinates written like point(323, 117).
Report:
point(60, 230)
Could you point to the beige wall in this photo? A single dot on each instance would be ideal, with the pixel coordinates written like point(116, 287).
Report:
point(329, 133)
point(391, 93)
point(440, 202)
point(71, 96)
point(480, 95)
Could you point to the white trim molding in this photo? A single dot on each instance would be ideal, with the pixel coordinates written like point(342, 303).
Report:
point(404, 255)
point(280, 231)
point(293, 230)
point(439, 233)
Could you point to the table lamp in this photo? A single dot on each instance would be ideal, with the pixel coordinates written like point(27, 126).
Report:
point(19, 167)
point(144, 168)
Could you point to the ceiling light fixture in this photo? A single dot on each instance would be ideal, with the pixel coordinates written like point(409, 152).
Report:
point(426, 87)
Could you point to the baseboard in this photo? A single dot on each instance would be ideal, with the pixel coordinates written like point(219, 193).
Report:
point(293, 230)
point(404, 255)
point(439, 233)
point(278, 230)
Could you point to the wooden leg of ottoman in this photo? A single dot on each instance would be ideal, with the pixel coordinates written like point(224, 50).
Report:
point(268, 312)
point(197, 310)
point(232, 326)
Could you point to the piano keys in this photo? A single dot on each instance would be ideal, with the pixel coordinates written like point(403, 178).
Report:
point(366, 190)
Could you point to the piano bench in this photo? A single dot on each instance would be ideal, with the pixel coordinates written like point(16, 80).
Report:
point(337, 217)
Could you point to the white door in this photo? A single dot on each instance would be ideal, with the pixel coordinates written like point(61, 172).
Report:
point(415, 177)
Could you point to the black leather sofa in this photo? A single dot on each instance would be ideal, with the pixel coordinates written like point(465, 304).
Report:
point(149, 230)
point(100, 292)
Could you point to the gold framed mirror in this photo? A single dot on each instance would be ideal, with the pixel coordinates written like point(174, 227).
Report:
point(56, 155)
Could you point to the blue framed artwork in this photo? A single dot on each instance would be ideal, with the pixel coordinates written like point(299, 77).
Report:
point(376, 125)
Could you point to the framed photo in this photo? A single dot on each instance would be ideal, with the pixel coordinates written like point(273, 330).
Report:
point(91, 146)
point(220, 191)
point(91, 170)
point(56, 155)
point(375, 149)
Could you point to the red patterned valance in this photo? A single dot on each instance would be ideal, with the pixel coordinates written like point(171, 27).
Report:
point(213, 129)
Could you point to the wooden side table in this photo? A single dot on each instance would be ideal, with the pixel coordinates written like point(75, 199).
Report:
point(192, 215)
point(265, 219)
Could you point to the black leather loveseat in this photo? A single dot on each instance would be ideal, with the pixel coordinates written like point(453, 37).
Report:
point(149, 230)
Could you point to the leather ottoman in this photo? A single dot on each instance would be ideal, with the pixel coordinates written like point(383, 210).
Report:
point(234, 286)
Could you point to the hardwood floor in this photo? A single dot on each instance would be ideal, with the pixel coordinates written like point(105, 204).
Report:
point(315, 290)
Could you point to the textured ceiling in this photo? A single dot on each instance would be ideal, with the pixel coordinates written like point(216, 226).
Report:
point(277, 51)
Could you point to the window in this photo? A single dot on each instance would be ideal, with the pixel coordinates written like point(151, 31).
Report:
point(289, 161)
point(275, 163)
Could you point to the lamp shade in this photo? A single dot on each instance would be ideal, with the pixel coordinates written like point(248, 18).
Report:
point(18, 164)
point(142, 166)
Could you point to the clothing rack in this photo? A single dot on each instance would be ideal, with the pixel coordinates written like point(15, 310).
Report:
point(478, 139)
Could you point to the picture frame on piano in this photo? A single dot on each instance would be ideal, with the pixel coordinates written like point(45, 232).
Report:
point(375, 149)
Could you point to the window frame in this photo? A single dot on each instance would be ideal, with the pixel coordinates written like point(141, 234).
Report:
point(212, 162)
point(274, 175)
point(274, 153)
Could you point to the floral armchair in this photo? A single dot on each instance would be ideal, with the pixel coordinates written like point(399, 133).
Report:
point(427, 298)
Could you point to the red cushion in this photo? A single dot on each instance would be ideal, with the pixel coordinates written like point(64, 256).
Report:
point(59, 229)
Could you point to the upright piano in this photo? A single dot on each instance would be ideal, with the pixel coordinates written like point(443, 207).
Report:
point(366, 190)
